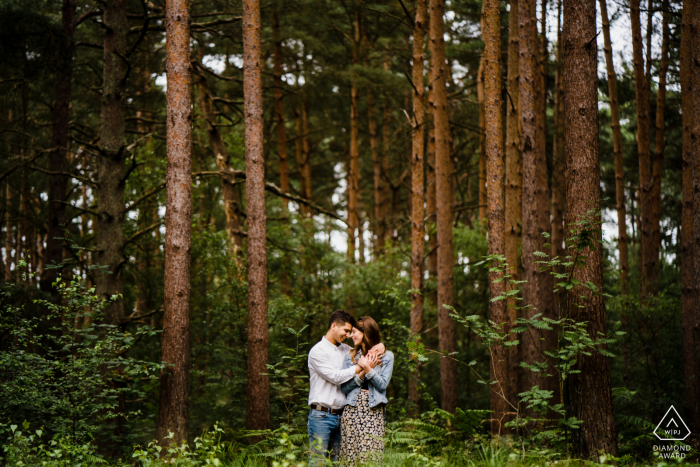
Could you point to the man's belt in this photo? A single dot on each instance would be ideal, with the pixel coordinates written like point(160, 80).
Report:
point(326, 409)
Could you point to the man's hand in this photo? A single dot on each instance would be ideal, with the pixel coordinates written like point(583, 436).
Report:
point(378, 350)
point(362, 363)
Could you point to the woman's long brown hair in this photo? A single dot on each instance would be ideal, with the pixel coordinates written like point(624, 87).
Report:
point(371, 336)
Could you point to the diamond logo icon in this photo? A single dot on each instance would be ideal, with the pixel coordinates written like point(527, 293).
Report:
point(672, 427)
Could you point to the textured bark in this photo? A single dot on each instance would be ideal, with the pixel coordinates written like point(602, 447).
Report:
point(687, 250)
point(617, 152)
point(443, 195)
point(658, 155)
point(537, 291)
point(483, 202)
point(173, 414)
point(109, 235)
point(59, 141)
point(354, 162)
point(694, 60)
point(258, 416)
point(430, 195)
point(279, 110)
point(491, 32)
point(387, 214)
point(229, 191)
point(418, 190)
point(649, 263)
point(590, 391)
point(513, 185)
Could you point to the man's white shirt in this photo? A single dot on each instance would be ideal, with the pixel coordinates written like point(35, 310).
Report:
point(326, 376)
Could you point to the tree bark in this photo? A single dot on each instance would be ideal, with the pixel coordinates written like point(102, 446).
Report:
point(173, 414)
point(258, 416)
point(694, 60)
point(558, 185)
point(443, 192)
point(379, 183)
point(59, 141)
point(109, 236)
point(537, 291)
point(513, 185)
point(649, 264)
point(229, 191)
point(491, 24)
point(279, 110)
point(687, 250)
point(660, 142)
point(590, 391)
point(483, 201)
point(617, 152)
point(417, 187)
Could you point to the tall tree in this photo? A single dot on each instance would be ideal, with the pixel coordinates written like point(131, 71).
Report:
point(279, 109)
point(513, 183)
point(537, 291)
point(590, 390)
point(418, 190)
point(58, 157)
point(687, 251)
point(258, 415)
point(173, 407)
point(617, 151)
point(649, 274)
point(491, 33)
point(660, 142)
point(354, 162)
point(8, 233)
point(377, 179)
point(109, 235)
point(694, 60)
point(558, 185)
point(443, 195)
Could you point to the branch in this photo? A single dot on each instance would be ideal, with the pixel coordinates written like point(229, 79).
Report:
point(144, 30)
point(245, 234)
point(131, 319)
point(89, 44)
point(67, 174)
point(408, 15)
point(196, 64)
point(20, 164)
point(142, 232)
point(272, 188)
point(86, 15)
point(146, 195)
point(87, 211)
point(196, 26)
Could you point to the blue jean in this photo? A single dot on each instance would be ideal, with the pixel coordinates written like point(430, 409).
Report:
point(324, 436)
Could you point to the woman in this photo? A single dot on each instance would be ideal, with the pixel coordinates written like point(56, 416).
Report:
point(363, 423)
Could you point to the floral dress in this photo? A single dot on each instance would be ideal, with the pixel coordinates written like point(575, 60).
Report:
point(362, 432)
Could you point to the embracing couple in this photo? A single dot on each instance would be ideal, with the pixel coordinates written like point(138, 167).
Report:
point(348, 391)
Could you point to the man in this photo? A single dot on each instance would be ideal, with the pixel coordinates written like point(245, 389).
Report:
point(325, 397)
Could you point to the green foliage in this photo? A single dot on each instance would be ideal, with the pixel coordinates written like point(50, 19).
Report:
point(64, 369)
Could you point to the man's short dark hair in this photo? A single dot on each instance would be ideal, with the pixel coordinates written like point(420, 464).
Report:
point(340, 317)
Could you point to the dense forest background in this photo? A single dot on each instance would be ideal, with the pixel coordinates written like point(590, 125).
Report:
point(84, 163)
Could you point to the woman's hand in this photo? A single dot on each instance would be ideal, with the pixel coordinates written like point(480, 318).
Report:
point(373, 360)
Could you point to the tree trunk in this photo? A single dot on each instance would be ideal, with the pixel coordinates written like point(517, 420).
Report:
point(483, 202)
point(431, 196)
point(8, 233)
point(306, 154)
point(649, 278)
point(687, 253)
point(491, 32)
point(417, 187)
point(694, 60)
point(558, 185)
point(279, 110)
point(379, 183)
point(658, 155)
point(590, 391)
point(513, 185)
point(617, 151)
point(173, 415)
point(258, 416)
point(59, 142)
point(230, 192)
point(354, 165)
point(109, 236)
point(443, 192)
point(384, 154)
point(537, 291)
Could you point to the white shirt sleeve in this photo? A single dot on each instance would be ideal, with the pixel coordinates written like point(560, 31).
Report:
point(322, 365)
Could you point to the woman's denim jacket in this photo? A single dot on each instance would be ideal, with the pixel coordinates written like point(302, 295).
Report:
point(378, 378)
